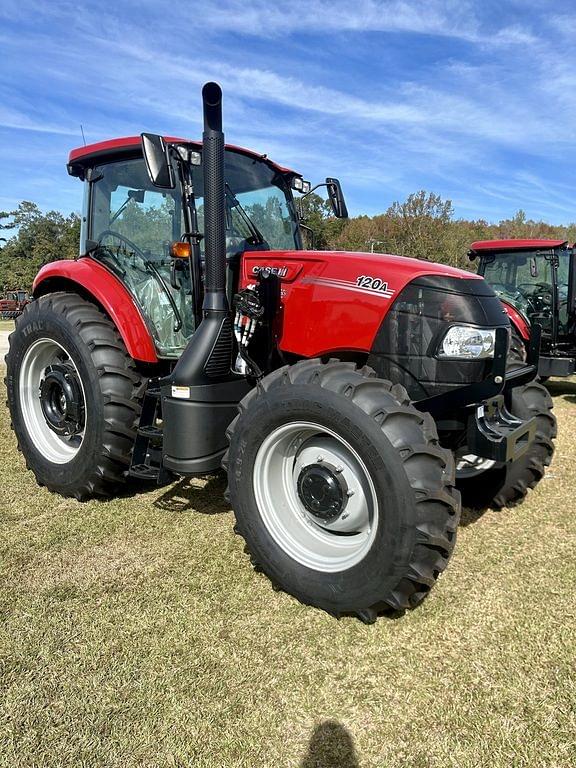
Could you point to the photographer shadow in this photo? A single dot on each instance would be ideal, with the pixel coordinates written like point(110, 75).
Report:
point(331, 746)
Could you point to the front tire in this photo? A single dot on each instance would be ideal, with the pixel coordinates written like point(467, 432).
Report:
point(506, 486)
point(73, 394)
point(341, 490)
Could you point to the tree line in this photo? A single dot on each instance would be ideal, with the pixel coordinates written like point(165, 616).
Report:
point(29, 239)
point(423, 226)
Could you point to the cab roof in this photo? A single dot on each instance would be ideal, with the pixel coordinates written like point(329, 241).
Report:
point(514, 245)
point(83, 157)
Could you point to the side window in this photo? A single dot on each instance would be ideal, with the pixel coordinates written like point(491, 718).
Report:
point(146, 217)
point(134, 223)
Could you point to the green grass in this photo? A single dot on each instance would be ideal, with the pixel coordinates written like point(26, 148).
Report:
point(135, 633)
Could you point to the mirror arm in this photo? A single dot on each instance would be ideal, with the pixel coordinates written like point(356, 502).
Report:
point(322, 184)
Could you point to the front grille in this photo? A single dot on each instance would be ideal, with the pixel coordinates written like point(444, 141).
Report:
point(405, 346)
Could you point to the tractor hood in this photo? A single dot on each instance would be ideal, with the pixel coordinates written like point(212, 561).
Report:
point(345, 294)
point(396, 271)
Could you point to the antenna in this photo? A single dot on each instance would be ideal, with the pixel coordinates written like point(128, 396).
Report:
point(83, 138)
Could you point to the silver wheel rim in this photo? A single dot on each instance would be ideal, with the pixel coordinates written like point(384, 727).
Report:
point(323, 545)
point(470, 465)
point(53, 447)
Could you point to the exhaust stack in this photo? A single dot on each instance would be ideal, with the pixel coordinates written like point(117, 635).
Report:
point(214, 201)
point(207, 358)
point(200, 397)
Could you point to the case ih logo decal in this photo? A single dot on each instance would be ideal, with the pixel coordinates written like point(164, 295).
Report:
point(280, 271)
point(363, 284)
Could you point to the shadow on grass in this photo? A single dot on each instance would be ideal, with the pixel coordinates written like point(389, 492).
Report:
point(331, 746)
point(469, 515)
point(183, 496)
point(565, 388)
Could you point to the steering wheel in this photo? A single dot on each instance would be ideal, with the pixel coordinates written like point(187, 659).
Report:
point(123, 239)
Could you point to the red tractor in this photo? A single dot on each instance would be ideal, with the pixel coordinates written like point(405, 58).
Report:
point(339, 391)
point(12, 304)
point(536, 281)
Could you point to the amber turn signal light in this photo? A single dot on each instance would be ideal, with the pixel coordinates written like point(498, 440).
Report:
point(180, 250)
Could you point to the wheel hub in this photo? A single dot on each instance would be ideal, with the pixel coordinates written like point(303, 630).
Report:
point(61, 399)
point(322, 491)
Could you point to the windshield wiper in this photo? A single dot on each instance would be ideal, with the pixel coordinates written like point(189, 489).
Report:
point(257, 236)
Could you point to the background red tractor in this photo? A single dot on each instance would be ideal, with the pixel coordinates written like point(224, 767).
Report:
point(12, 304)
point(536, 281)
point(345, 394)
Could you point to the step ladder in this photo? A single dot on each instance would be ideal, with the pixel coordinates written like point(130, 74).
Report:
point(146, 461)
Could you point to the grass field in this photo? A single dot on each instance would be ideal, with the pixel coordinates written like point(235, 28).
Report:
point(135, 633)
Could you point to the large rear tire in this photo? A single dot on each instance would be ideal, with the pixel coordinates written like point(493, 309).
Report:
point(341, 490)
point(506, 486)
point(74, 396)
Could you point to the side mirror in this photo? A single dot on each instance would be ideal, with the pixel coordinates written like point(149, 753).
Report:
point(136, 194)
point(158, 163)
point(336, 197)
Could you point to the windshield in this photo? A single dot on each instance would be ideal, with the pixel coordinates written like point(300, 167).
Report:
point(259, 205)
point(134, 223)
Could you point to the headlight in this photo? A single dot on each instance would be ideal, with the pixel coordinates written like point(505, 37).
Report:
point(463, 342)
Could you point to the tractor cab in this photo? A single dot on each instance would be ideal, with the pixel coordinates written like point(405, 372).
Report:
point(143, 232)
point(537, 280)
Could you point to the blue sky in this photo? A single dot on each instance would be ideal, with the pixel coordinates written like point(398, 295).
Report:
point(473, 100)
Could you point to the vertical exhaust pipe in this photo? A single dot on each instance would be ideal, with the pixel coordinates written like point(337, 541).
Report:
point(200, 397)
point(208, 355)
point(214, 201)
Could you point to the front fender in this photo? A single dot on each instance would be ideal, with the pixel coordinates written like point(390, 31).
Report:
point(517, 319)
point(90, 278)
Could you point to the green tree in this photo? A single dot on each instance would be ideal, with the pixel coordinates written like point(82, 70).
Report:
point(39, 238)
point(317, 217)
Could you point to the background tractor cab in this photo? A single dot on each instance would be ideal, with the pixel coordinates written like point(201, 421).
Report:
point(536, 281)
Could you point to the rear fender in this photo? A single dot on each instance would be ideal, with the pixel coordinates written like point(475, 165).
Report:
point(91, 279)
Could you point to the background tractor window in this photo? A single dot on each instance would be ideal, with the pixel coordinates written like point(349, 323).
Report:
point(524, 279)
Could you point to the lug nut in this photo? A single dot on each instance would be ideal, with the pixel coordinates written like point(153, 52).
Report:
point(320, 459)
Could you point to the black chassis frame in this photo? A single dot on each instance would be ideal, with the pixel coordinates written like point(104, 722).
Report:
point(492, 432)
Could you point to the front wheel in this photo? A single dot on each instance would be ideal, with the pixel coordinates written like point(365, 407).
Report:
point(73, 394)
point(341, 490)
point(484, 483)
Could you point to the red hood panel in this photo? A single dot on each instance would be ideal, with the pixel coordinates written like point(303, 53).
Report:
point(345, 294)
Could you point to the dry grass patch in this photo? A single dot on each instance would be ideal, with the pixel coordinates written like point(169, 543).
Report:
point(135, 634)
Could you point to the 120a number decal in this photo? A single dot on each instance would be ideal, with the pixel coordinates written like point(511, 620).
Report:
point(372, 283)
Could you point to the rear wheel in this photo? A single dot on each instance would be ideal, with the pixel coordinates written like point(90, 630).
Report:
point(485, 484)
point(341, 490)
point(73, 394)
